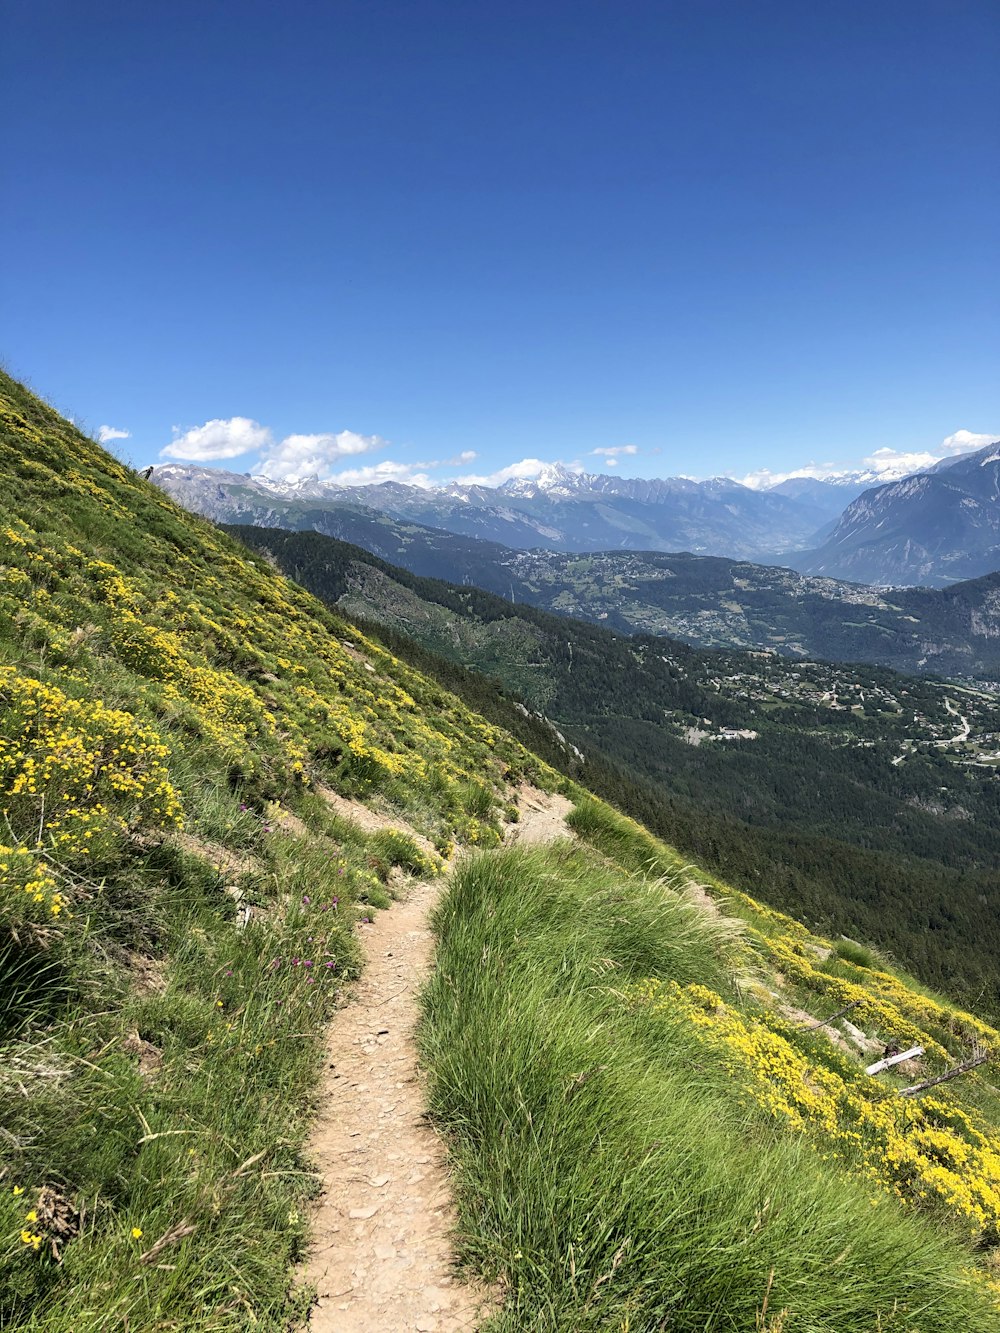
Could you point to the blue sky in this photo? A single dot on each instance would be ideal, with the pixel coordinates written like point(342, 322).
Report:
point(714, 237)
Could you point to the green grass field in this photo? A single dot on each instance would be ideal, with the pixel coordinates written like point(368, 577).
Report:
point(612, 1177)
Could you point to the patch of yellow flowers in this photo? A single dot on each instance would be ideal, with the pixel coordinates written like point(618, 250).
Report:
point(75, 775)
point(880, 997)
point(929, 1153)
point(74, 771)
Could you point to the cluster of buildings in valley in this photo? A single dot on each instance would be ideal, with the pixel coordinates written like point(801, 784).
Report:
point(962, 724)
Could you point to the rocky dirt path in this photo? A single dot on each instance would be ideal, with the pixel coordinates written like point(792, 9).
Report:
point(381, 1256)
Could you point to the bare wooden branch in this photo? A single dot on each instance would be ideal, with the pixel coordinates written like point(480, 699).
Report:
point(887, 1062)
point(963, 1068)
point(811, 1027)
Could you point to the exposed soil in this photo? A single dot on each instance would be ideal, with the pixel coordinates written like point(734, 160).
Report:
point(382, 1258)
point(225, 861)
point(369, 820)
point(543, 816)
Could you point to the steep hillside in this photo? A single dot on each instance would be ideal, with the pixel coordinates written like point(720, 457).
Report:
point(865, 800)
point(178, 894)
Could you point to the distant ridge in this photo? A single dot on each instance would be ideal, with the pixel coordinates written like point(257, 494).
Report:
point(932, 528)
point(560, 510)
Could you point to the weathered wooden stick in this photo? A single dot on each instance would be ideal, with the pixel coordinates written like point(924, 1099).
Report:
point(811, 1027)
point(944, 1078)
point(881, 1065)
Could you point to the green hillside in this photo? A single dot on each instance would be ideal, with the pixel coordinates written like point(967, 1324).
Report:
point(643, 1132)
point(178, 898)
point(860, 800)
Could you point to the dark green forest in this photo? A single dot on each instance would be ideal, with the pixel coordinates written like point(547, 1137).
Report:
point(812, 814)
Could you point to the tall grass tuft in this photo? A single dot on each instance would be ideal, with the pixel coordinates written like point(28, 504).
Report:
point(607, 1179)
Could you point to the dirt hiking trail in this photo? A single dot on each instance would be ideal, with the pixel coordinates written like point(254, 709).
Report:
point(381, 1256)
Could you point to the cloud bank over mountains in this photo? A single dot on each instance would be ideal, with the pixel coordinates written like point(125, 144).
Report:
point(882, 465)
point(299, 455)
point(323, 455)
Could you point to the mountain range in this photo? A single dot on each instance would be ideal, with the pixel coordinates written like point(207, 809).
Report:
point(932, 528)
point(560, 510)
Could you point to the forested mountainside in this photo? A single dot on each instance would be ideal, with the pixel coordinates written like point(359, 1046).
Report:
point(708, 601)
point(182, 879)
point(705, 601)
point(854, 797)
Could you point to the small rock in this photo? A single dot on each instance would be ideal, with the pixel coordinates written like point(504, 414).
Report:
point(363, 1214)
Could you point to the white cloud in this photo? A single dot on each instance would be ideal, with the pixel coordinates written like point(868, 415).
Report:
point(218, 439)
point(897, 463)
point(405, 473)
point(883, 465)
point(108, 433)
point(315, 455)
point(965, 440)
point(286, 459)
point(527, 467)
point(614, 451)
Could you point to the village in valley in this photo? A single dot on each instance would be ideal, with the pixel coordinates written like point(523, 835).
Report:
point(853, 706)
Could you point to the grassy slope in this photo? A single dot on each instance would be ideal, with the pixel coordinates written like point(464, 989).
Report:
point(638, 1152)
point(158, 1051)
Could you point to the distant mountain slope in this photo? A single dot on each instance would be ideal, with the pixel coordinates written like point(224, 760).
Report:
point(827, 498)
point(713, 602)
point(853, 792)
point(932, 528)
point(710, 601)
point(560, 511)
